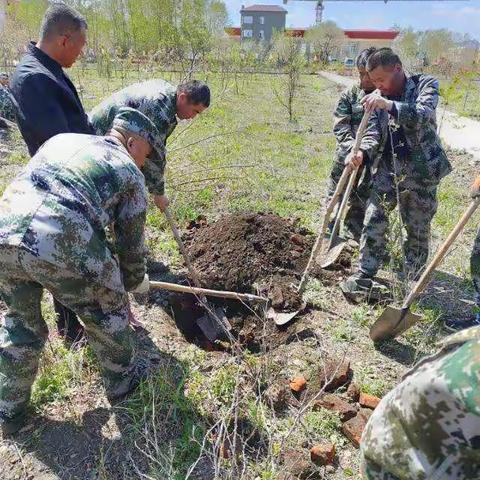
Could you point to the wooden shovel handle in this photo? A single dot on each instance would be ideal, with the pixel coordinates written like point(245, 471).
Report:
point(440, 254)
point(346, 175)
point(353, 177)
point(181, 246)
point(343, 208)
point(318, 245)
point(174, 287)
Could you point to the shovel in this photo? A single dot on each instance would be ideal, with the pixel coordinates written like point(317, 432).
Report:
point(394, 321)
point(334, 251)
point(213, 324)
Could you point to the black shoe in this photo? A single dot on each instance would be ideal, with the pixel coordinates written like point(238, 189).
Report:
point(138, 372)
point(457, 325)
point(360, 287)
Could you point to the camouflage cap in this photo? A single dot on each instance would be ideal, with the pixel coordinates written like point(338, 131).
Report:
point(136, 122)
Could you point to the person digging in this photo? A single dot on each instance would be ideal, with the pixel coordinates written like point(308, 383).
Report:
point(348, 115)
point(412, 165)
point(163, 104)
point(53, 220)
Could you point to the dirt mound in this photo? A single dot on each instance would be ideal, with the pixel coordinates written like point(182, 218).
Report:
point(244, 251)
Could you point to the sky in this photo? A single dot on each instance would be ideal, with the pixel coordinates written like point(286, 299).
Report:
point(459, 16)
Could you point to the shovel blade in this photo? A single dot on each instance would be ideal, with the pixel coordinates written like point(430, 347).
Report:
point(280, 318)
point(211, 327)
point(283, 318)
point(392, 322)
point(332, 255)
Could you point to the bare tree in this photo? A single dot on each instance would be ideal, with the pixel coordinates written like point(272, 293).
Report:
point(288, 56)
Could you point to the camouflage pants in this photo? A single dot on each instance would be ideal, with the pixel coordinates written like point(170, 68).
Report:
point(428, 427)
point(418, 204)
point(23, 331)
point(475, 266)
point(355, 215)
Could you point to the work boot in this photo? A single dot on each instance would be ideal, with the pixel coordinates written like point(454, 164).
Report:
point(362, 287)
point(11, 425)
point(138, 372)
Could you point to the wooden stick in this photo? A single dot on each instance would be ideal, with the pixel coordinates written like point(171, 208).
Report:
point(174, 287)
point(441, 252)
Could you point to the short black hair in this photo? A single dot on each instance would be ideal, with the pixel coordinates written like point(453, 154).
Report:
point(197, 92)
point(363, 57)
point(60, 19)
point(383, 57)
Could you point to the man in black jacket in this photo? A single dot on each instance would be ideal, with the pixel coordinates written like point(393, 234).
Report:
point(48, 103)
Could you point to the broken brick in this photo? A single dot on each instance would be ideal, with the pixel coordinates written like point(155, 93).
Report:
point(335, 373)
point(369, 401)
point(298, 384)
point(336, 404)
point(354, 427)
point(353, 392)
point(323, 454)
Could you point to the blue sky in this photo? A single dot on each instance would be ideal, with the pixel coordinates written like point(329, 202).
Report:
point(460, 16)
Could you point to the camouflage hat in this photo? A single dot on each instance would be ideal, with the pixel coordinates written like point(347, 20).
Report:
point(136, 122)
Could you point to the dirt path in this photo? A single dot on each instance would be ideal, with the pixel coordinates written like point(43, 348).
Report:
point(457, 132)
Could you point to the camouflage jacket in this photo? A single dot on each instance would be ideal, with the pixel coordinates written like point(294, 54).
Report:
point(426, 161)
point(348, 115)
point(8, 109)
point(429, 425)
point(60, 205)
point(157, 100)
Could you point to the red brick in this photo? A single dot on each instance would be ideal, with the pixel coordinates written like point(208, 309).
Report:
point(336, 404)
point(369, 401)
point(298, 384)
point(323, 454)
point(354, 427)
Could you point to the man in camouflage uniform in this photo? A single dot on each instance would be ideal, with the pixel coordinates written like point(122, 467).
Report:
point(428, 427)
point(412, 165)
point(53, 219)
point(348, 115)
point(162, 103)
point(7, 102)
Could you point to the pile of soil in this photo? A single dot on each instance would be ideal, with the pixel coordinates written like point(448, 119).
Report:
point(250, 252)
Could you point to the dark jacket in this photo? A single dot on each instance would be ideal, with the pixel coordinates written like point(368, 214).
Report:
point(413, 119)
point(48, 103)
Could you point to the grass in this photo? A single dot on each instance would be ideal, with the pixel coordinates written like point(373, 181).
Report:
point(161, 402)
point(462, 94)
